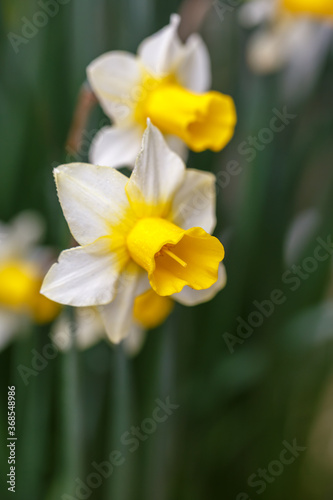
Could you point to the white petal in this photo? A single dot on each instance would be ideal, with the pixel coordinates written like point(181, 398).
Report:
point(134, 341)
point(61, 334)
point(190, 297)
point(21, 235)
point(266, 51)
point(116, 146)
point(89, 327)
point(194, 70)
point(87, 330)
point(164, 53)
point(160, 52)
point(194, 203)
point(114, 77)
point(28, 228)
point(85, 276)
point(300, 34)
point(271, 48)
point(157, 174)
point(118, 316)
point(93, 199)
point(306, 60)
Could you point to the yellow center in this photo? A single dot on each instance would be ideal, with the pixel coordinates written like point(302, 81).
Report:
point(19, 291)
point(321, 8)
point(202, 121)
point(150, 309)
point(174, 257)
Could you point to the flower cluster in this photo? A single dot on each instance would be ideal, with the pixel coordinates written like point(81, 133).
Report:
point(22, 268)
point(144, 243)
point(290, 32)
point(167, 82)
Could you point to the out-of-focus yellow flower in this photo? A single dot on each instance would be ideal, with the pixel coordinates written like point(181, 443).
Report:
point(166, 82)
point(20, 282)
point(22, 266)
point(151, 231)
point(149, 311)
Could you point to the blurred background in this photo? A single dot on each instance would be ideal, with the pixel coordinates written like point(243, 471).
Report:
point(250, 372)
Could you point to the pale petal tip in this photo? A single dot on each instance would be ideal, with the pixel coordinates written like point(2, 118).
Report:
point(150, 127)
point(60, 169)
point(151, 133)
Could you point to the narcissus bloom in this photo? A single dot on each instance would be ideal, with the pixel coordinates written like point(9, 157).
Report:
point(294, 32)
point(148, 232)
point(22, 268)
point(89, 330)
point(166, 82)
point(149, 311)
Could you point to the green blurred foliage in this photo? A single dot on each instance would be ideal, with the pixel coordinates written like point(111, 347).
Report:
point(235, 409)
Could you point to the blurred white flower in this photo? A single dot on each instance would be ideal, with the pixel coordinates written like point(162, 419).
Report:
point(166, 82)
point(22, 268)
point(292, 34)
point(151, 231)
point(149, 311)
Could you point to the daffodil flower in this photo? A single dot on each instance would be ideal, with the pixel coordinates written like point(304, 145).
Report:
point(22, 268)
point(297, 33)
point(151, 231)
point(166, 82)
